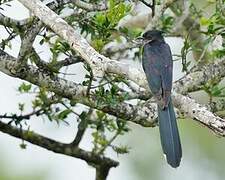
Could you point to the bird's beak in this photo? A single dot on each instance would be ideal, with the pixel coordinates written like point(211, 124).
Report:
point(147, 41)
point(139, 40)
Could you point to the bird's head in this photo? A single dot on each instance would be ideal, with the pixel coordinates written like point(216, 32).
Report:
point(152, 35)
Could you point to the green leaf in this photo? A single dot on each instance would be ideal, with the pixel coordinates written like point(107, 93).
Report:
point(121, 149)
point(204, 21)
point(100, 18)
point(24, 88)
point(63, 114)
point(217, 91)
point(36, 103)
point(21, 106)
point(100, 114)
point(114, 89)
point(73, 102)
point(98, 44)
point(23, 146)
point(111, 4)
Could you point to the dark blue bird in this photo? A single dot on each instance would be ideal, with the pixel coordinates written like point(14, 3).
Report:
point(158, 66)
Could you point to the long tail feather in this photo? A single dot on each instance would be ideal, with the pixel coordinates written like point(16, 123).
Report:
point(169, 135)
point(175, 130)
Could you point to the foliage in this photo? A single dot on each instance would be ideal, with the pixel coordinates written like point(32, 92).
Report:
point(101, 28)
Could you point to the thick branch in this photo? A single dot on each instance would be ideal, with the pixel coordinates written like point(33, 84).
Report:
point(56, 146)
point(61, 27)
point(73, 91)
point(89, 6)
point(218, 105)
point(199, 113)
point(98, 62)
point(9, 22)
point(144, 114)
point(10, 66)
point(195, 80)
point(101, 173)
point(28, 39)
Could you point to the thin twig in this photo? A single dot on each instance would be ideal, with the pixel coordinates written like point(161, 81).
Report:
point(81, 128)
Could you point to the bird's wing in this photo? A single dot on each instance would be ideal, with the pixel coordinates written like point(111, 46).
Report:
point(166, 72)
point(157, 64)
point(152, 71)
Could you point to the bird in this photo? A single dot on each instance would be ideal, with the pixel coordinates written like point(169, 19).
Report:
point(157, 64)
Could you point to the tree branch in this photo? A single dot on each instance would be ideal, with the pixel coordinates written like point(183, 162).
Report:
point(97, 62)
point(28, 39)
point(101, 173)
point(9, 22)
point(143, 114)
point(187, 24)
point(61, 27)
point(152, 6)
point(89, 6)
point(82, 127)
point(218, 105)
point(10, 66)
point(156, 19)
point(199, 77)
point(56, 146)
point(21, 117)
point(73, 91)
point(68, 61)
point(199, 113)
